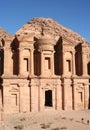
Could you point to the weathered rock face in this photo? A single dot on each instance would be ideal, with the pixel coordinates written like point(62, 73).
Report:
point(4, 35)
point(47, 26)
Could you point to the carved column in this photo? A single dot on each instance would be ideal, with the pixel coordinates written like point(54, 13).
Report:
point(32, 63)
point(7, 62)
point(52, 64)
point(86, 96)
point(64, 97)
point(20, 61)
point(74, 84)
point(84, 64)
point(73, 64)
point(63, 61)
point(42, 66)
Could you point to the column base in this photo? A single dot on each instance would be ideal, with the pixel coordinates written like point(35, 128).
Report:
point(85, 75)
point(73, 75)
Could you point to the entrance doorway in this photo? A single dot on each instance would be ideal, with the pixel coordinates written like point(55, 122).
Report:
point(48, 98)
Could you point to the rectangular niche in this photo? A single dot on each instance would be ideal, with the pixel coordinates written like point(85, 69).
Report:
point(14, 100)
point(80, 96)
point(26, 64)
point(68, 65)
point(47, 63)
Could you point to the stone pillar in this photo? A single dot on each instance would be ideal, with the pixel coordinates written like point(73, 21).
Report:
point(74, 96)
point(52, 64)
point(7, 62)
point(64, 97)
point(41, 97)
point(32, 63)
point(73, 64)
point(63, 61)
point(34, 98)
point(55, 98)
point(20, 61)
point(84, 64)
point(42, 66)
point(86, 96)
point(6, 95)
point(39, 91)
point(64, 101)
point(58, 95)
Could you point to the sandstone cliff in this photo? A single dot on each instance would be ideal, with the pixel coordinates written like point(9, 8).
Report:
point(48, 26)
point(4, 35)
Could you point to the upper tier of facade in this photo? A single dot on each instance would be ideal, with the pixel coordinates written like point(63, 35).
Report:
point(44, 38)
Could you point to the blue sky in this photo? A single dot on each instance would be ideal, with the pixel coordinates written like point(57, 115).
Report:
point(73, 14)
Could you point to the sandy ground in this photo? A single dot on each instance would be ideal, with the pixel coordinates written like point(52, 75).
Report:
point(47, 120)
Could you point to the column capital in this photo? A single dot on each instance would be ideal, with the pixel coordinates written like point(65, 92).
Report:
point(53, 51)
point(32, 49)
point(21, 49)
point(40, 50)
point(73, 52)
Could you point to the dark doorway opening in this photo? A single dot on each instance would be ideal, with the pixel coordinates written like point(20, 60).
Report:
point(48, 98)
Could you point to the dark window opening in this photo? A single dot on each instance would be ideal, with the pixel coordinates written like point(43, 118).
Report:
point(48, 98)
point(69, 65)
point(26, 64)
point(47, 61)
point(80, 96)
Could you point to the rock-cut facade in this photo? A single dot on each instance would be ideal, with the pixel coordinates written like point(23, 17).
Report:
point(44, 65)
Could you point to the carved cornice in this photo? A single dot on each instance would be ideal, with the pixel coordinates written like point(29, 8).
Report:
point(69, 41)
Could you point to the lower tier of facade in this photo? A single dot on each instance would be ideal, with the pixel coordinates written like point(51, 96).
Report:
point(37, 93)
